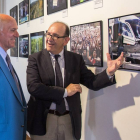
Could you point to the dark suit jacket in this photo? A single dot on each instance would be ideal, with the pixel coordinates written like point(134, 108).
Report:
point(41, 86)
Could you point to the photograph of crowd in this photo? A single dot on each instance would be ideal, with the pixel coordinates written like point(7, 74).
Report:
point(124, 36)
point(14, 13)
point(75, 2)
point(37, 42)
point(14, 51)
point(24, 11)
point(86, 40)
point(24, 46)
point(56, 5)
point(36, 9)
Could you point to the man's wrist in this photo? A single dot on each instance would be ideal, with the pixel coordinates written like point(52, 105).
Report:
point(109, 75)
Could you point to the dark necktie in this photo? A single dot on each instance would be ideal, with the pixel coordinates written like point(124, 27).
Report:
point(59, 82)
point(13, 74)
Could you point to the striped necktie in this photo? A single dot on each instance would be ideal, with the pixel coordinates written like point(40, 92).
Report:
point(13, 74)
point(59, 82)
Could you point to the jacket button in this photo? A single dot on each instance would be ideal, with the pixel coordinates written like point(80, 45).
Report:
point(22, 125)
point(22, 110)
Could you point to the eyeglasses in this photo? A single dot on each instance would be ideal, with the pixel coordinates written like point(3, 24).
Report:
point(54, 37)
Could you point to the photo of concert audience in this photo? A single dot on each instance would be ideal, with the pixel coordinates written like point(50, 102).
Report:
point(86, 40)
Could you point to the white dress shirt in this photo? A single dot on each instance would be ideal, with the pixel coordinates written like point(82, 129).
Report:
point(61, 62)
point(3, 55)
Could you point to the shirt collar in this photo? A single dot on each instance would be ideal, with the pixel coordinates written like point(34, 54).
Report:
point(3, 53)
point(61, 54)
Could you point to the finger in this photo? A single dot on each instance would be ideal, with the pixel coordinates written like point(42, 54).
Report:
point(108, 56)
point(121, 56)
point(122, 53)
point(79, 88)
point(121, 59)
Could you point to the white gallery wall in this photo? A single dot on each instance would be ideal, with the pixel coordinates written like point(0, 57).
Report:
point(112, 113)
point(2, 6)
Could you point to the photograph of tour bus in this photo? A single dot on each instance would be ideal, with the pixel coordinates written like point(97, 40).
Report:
point(124, 36)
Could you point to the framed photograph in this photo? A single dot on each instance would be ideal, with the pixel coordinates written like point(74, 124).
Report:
point(14, 51)
point(124, 36)
point(23, 11)
point(36, 9)
point(86, 40)
point(37, 42)
point(14, 13)
point(75, 2)
point(56, 5)
point(24, 46)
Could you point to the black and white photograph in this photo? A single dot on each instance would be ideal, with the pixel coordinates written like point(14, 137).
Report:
point(37, 41)
point(14, 51)
point(24, 46)
point(124, 36)
point(14, 13)
point(86, 40)
point(56, 5)
point(75, 2)
point(36, 9)
point(23, 11)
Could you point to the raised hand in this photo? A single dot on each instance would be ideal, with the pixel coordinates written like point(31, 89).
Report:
point(113, 65)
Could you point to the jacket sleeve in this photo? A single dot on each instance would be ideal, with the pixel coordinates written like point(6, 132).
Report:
point(92, 81)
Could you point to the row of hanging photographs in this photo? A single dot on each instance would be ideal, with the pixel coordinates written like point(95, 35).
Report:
point(37, 8)
point(87, 40)
point(21, 49)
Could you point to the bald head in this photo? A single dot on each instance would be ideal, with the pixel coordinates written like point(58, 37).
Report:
point(4, 19)
point(8, 31)
point(62, 25)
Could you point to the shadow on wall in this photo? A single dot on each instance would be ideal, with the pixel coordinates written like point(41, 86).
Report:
point(102, 104)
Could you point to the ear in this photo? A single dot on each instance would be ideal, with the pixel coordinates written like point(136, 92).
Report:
point(66, 40)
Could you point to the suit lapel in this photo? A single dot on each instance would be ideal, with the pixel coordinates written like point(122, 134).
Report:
point(10, 79)
point(68, 66)
point(48, 66)
point(23, 98)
